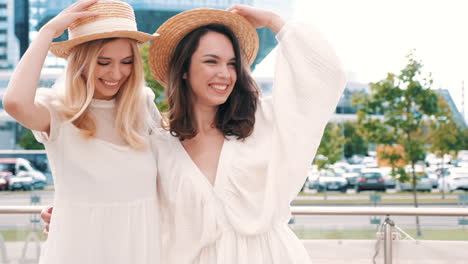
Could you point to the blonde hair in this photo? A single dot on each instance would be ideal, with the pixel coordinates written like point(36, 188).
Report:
point(131, 111)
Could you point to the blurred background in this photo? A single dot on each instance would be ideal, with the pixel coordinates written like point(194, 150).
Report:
point(398, 137)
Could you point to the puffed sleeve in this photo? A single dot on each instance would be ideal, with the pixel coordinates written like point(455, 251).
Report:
point(47, 97)
point(152, 110)
point(309, 80)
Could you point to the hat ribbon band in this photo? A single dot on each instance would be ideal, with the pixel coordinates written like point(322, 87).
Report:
point(103, 25)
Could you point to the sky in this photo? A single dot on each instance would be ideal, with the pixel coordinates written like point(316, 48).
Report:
point(372, 37)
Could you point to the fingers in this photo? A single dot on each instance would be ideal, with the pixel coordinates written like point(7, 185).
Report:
point(83, 14)
point(81, 5)
point(46, 214)
point(239, 9)
point(46, 229)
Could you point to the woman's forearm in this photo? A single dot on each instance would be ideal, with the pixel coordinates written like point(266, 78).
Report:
point(19, 97)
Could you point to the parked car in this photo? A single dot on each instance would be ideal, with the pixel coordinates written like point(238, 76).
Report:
point(6, 172)
point(21, 182)
point(312, 177)
point(24, 175)
point(390, 182)
point(434, 179)
point(5, 180)
point(369, 162)
point(352, 174)
point(356, 159)
point(331, 181)
point(456, 180)
point(370, 180)
point(423, 184)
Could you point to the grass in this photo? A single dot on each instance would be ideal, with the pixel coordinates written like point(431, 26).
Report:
point(16, 235)
point(460, 234)
point(427, 234)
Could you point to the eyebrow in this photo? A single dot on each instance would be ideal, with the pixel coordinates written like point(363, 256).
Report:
point(106, 58)
point(216, 56)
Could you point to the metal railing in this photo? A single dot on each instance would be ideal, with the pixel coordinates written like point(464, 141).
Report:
point(387, 226)
point(387, 211)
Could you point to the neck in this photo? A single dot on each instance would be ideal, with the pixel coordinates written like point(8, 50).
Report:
point(205, 118)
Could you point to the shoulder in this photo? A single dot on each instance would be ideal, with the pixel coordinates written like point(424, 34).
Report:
point(46, 94)
point(149, 94)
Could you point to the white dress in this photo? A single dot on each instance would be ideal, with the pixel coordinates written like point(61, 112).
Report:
point(243, 217)
point(105, 201)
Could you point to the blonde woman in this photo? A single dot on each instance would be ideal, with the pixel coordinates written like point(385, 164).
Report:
point(95, 127)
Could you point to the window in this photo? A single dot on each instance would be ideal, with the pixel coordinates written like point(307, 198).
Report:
point(3, 18)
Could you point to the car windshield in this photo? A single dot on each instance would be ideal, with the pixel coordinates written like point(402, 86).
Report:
point(371, 175)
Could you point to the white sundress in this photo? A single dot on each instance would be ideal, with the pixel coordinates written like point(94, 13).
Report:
point(243, 217)
point(105, 201)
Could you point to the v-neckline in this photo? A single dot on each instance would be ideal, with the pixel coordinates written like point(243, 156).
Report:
point(199, 171)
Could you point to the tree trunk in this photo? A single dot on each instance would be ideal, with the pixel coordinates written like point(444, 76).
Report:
point(415, 198)
point(443, 178)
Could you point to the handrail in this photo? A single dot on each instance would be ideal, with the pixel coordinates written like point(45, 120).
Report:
point(366, 210)
point(310, 210)
point(21, 209)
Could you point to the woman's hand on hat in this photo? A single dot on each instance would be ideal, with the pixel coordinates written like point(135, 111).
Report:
point(259, 17)
point(62, 21)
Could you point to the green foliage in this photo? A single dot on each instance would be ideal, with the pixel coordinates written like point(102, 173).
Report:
point(446, 136)
point(406, 101)
point(330, 146)
point(157, 88)
point(464, 138)
point(355, 143)
point(27, 141)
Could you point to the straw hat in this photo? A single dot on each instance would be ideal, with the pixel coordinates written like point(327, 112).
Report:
point(116, 19)
point(178, 26)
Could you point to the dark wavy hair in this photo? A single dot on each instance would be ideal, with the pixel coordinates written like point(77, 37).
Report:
point(236, 117)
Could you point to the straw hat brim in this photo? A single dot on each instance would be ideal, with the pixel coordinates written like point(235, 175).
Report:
point(62, 49)
point(178, 26)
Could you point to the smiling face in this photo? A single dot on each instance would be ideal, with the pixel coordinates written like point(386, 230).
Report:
point(212, 72)
point(114, 66)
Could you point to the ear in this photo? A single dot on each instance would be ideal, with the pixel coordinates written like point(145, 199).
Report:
point(184, 76)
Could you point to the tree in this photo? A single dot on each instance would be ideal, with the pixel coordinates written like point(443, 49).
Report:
point(157, 88)
point(407, 103)
point(330, 149)
point(445, 135)
point(355, 143)
point(464, 138)
point(27, 141)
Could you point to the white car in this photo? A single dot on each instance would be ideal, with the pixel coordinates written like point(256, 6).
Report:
point(352, 174)
point(423, 184)
point(456, 180)
point(331, 181)
point(390, 182)
point(25, 175)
